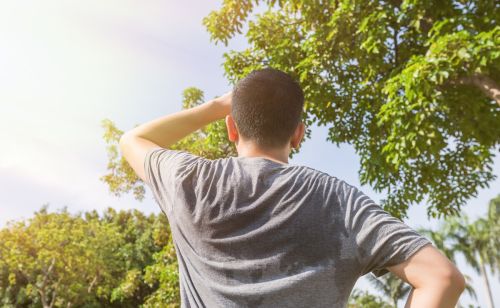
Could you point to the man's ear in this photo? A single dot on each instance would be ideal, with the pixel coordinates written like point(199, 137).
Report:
point(232, 131)
point(298, 135)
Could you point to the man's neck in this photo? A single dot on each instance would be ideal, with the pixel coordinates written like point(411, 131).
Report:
point(250, 150)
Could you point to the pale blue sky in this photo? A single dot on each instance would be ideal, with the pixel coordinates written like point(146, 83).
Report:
point(65, 66)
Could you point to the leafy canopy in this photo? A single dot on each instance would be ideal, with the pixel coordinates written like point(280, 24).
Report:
point(411, 85)
point(119, 259)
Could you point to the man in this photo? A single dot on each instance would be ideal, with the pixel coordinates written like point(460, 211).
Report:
point(255, 231)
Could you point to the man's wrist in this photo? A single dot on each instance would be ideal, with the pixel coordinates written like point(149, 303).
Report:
point(217, 109)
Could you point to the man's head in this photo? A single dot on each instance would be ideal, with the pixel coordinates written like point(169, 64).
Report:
point(266, 110)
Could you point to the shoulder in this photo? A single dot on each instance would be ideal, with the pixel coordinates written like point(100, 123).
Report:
point(341, 185)
point(176, 162)
point(178, 155)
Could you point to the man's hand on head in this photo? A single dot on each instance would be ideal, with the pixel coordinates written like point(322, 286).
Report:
point(224, 103)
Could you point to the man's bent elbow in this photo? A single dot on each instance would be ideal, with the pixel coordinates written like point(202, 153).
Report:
point(458, 281)
point(125, 142)
point(436, 281)
point(452, 280)
point(442, 290)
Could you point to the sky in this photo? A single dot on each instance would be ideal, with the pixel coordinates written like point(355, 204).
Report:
point(67, 65)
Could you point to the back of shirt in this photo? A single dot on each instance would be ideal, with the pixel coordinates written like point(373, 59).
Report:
point(252, 232)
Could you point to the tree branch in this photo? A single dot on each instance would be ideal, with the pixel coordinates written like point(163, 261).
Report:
point(43, 297)
point(47, 273)
point(92, 283)
point(484, 83)
point(53, 301)
point(395, 34)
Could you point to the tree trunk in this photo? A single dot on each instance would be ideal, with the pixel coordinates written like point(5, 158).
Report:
point(487, 283)
point(42, 290)
point(53, 301)
point(43, 298)
point(484, 83)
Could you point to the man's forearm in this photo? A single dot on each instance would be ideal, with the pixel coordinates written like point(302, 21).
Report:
point(169, 129)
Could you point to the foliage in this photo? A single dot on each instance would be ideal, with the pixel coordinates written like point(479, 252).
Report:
point(121, 177)
point(410, 84)
point(47, 261)
point(393, 288)
point(61, 259)
point(164, 275)
point(363, 299)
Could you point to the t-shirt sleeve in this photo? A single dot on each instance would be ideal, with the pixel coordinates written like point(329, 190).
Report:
point(165, 169)
point(380, 240)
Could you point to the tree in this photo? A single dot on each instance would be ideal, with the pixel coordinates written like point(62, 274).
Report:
point(412, 85)
point(88, 260)
point(164, 274)
point(56, 259)
point(144, 237)
point(476, 241)
point(391, 287)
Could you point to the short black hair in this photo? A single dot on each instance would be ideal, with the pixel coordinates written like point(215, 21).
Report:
point(267, 107)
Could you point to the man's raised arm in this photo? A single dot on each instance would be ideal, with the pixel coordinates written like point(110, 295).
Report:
point(167, 130)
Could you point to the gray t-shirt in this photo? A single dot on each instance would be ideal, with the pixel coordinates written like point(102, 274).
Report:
point(252, 232)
